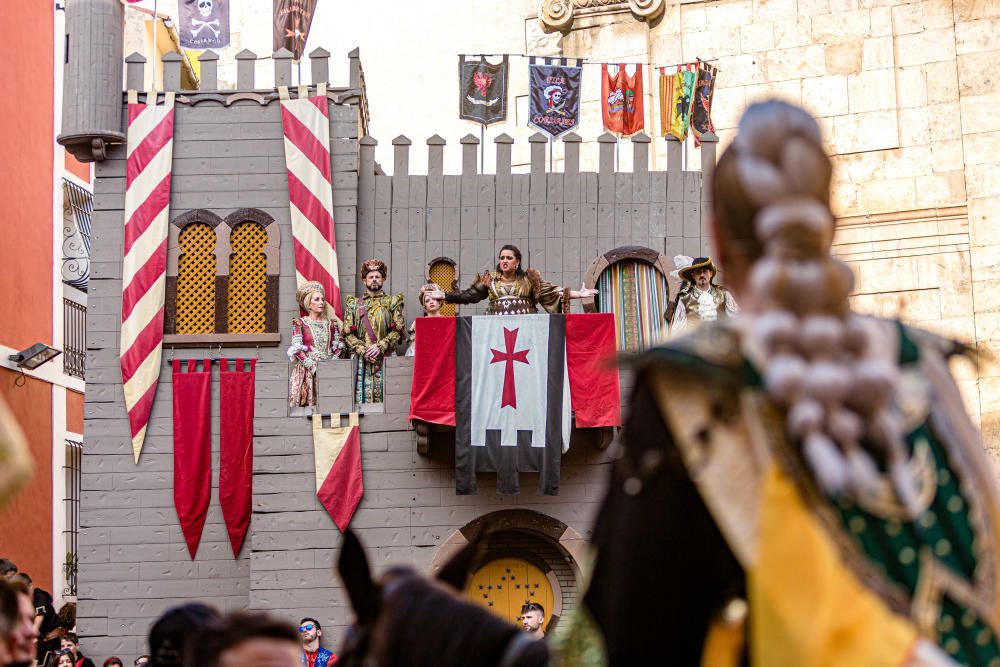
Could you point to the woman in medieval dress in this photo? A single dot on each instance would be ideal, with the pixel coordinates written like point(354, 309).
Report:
point(803, 482)
point(432, 308)
point(512, 290)
point(315, 337)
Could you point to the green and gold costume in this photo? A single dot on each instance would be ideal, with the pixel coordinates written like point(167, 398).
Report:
point(385, 316)
point(851, 580)
point(520, 297)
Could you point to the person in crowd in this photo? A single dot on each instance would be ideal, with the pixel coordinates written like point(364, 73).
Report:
point(141, 661)
point(432, 308)
point(71, 642)
point(67, 616)
point(46, 619)
point(512, 290)
point(373, 327)
point(7, 568)
point(17, 642)
point(828, 486)
point(313, 655)
point(700, 299)
point(170, 635)
point(533, 620)
point(246, 640)
point(316, 336)
point(62, 658)
point(113, 661)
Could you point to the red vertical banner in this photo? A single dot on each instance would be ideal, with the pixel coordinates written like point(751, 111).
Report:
point(621, 99)
point(192, 448)
point(593, 370)
point(236, 401)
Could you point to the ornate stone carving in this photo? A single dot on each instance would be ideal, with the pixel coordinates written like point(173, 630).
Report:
point(558, 15)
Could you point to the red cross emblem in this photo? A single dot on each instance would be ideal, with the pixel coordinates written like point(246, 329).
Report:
point(509, 396)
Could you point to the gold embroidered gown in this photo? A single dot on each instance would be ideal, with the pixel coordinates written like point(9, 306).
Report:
point(385, 317)
point(523, 296)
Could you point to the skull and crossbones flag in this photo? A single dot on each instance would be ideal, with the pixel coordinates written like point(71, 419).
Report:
point(554, 95)
point(292, 20)
point(482, 90)
point(204, 24)
point(508, 385)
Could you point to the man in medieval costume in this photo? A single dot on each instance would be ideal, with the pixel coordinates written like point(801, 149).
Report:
point(373, 327)
point(700, 299)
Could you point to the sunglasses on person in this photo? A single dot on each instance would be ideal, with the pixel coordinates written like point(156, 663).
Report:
point(531, 606)
point(306, 627)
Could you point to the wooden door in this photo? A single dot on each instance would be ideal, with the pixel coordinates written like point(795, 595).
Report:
point(505, 584)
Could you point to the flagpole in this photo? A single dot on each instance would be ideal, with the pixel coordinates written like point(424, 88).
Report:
point(482, 148)
point(551, 151)
point(154, 51)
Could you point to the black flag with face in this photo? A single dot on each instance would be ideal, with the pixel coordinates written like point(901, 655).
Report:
point(554, 96)
point(204, 24)
point(292, 20)
point(483, 90)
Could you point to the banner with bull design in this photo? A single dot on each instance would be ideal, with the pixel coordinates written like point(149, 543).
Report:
point(482, 90)
point(554, 95)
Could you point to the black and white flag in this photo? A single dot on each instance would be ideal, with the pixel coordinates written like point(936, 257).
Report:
point(512, 403)
point(204, 24)
point(483, 90)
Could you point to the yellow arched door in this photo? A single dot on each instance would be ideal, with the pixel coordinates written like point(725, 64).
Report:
point(505, 584)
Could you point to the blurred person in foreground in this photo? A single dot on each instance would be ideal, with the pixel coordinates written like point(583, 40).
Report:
point(245, 640)
point(803, 483)
point(173, 631)
point(17, 625)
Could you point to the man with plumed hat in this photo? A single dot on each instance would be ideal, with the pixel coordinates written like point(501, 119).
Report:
point(700, 299)
point(373, 327)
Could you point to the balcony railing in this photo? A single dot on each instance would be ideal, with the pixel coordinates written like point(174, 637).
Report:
point(74, 338)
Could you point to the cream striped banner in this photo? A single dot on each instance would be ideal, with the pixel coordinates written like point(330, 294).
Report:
point(150, 149)
point(306, 125)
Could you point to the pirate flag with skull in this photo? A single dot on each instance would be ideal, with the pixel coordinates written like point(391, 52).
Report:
point(204, 24)
point(554, 95)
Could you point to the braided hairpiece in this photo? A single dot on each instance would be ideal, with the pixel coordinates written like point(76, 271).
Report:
point(817, 361)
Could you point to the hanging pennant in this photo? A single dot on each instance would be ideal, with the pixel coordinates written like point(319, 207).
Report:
point(148, 168)
point(203, 24)
point(701, 114)
point(483, 90)
point(554, 95)
point(339, 483)
point(676, 96)
point(236, 398)
point(291, 22)
point(621, 99)
point(192, 448)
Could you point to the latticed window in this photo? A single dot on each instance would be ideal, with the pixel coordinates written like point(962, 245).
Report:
point(222, 279)
point(195, 310)
point(444, 272)
point(636, 292)
point(246, 307)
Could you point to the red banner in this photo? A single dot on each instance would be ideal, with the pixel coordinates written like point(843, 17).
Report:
point(236, 447)
point(432, 393)
point(192, 448)
point(621, 99)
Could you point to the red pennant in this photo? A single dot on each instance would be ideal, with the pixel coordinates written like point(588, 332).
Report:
point(192, 448)
point(236, 448)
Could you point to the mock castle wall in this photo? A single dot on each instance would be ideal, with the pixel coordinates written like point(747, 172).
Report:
point(228, 154)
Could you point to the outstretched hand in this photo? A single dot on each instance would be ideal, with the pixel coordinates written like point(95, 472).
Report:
point(434, 291)
point(583, 293)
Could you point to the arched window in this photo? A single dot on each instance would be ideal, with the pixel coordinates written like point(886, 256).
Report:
point(222, 279)
point(632, 283)
point(246, 303)
point(444, 272)
point(195, 310)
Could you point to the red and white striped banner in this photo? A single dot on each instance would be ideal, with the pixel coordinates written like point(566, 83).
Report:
point(306, 125)
point(150, 150)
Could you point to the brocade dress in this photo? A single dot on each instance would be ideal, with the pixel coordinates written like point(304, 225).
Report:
point(323, 340)
point(521, 297)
